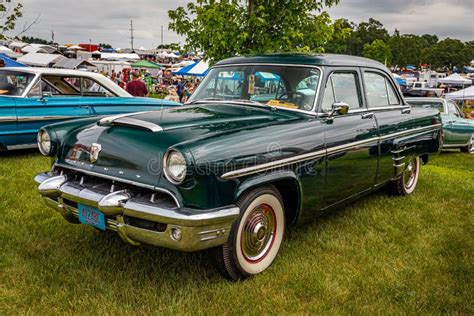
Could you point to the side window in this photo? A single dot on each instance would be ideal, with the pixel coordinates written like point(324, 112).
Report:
point(453, 109)
point(40, 87)
point(91, 88)
point(379, 90)
point(341, 87)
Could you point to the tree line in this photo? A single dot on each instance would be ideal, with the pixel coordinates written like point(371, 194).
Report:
point(227, 28)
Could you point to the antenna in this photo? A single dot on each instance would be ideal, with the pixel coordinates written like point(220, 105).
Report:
point(131, 33)
point(162, 36)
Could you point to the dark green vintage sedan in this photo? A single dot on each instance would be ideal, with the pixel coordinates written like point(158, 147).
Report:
point(264, 143)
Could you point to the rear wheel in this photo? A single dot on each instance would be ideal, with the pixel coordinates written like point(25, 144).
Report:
point(255, 238)
point(469, 149)
point(408, 180)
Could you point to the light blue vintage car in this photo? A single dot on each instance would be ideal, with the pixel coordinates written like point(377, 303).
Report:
point(34, 97)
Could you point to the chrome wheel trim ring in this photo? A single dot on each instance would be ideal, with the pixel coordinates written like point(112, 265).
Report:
point(258, 233)
point(410, 173)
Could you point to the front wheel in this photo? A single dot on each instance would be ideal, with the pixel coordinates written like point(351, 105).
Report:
point(408, 180)
point(255, 238)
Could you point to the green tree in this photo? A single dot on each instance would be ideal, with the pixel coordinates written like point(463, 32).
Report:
point(448, 53)
point(378, 50)
point(9, 14)
point(227, 28)
point(366, 33)
point(105, 45)
point(339, 44)
point(34, 40)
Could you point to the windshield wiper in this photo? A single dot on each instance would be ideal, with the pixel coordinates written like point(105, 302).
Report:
point(247, 101)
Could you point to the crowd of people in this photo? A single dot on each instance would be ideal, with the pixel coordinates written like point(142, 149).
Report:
point(140, 83)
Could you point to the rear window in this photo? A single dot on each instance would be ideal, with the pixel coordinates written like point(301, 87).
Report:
point(428, 104)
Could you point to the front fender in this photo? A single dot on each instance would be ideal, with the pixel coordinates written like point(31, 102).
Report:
point(292, 195)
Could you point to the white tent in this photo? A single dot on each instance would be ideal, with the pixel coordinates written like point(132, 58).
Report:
point(464, 94)
point(197, 69)
point(119, 56)
point(4, 50)
point(455, 79)
point(40, 60)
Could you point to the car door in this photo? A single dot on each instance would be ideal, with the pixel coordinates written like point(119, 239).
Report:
point(458, 131)
point(8, 122)
point(351, 139)
point(392, 115)
point(45, 105)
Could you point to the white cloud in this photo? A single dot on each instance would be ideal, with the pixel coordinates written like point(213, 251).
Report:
point(108, 21)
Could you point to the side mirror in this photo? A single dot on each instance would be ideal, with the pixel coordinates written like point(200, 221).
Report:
point(341, 108)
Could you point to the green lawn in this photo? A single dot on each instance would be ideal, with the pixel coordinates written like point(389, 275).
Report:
point(380, 255)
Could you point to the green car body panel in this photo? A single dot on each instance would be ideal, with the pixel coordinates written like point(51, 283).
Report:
point(458, 131)
point(318, 161)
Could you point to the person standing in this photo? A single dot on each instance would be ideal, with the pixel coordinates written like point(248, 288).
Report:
point(136, 87)
point(180, 90)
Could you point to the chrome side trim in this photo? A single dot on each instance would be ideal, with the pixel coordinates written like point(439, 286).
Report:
point(321, 153)
point(47, 118)
point(273, 164)
point(455, 145)
point(425, 129)
point(7, 119)
point(340, 148)
point(134, 183)
point(23, 146)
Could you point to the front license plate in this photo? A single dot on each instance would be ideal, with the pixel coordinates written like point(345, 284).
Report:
point(91, 216)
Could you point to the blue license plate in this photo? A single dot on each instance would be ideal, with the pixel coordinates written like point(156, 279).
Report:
point(91, 216)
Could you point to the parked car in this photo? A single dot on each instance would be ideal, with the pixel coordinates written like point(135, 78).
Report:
point(458, 130)
point(264, 143)
point(33, 97)
point(422, 89)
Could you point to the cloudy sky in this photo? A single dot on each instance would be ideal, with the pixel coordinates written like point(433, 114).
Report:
point(108, 21)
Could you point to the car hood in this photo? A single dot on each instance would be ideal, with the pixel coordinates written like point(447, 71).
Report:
point(130, 149)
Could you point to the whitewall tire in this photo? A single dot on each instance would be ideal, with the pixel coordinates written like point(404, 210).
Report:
point(256, 236)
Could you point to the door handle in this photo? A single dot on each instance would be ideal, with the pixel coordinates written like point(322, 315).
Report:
point(368, 115)
point(42, 100)
point(406, 111)
point(85, 106)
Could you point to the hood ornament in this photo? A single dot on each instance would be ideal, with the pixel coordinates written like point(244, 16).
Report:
point(94, 152)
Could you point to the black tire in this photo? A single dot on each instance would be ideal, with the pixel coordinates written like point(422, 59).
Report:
point(469, 149)
point(407, 181)
point(259, 230)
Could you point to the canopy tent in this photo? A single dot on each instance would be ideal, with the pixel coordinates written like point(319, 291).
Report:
point(465, 94)
point(145, 64)
point(400, 80)
point(119, 56)
point(38, 48)
point(455, 79)
point(71, 63)
point(40, 60)
point(10, 62)
point(198, 69)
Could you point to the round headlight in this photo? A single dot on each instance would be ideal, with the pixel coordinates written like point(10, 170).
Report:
point(44, 142)
point(174, 166)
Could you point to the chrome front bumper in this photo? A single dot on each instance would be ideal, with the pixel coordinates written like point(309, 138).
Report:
point(137, 219)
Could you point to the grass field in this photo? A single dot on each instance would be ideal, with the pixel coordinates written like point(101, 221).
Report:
point(382, 254)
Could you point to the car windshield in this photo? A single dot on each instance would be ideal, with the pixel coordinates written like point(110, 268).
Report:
point(279, 86)
point(14, 83)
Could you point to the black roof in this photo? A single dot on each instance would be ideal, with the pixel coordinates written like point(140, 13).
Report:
point(305, 59)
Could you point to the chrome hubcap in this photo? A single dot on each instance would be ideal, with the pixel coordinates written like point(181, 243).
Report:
point(410, 174)
point(258, 233)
